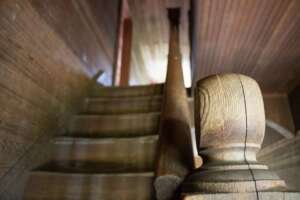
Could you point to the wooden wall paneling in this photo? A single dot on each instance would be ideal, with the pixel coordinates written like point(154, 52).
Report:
point(294, 99)
point(12, 185)
point(74, 22)
point(107, 22)
point(48, 55)
point(278, 110)
point(257, 38)
point(282, 157)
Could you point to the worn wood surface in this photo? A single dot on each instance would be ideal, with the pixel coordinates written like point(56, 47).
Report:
point(46, 63)
point(279, 122)
point(118, 163)
point(68, 186)
point(127, 92)
point(122, 105)
point(175, 156)
point(122, 125)
point(106, 155)
point(230, 127)
point(246, 196)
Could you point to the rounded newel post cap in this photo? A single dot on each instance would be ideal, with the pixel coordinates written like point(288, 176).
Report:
point(230, 127)
point(229, 110)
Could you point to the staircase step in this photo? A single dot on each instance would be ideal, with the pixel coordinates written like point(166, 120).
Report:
point(145, 90)
point(125, 125)
point(280, 149)
point(67, 186)
point(104, 155)
point(104, 105)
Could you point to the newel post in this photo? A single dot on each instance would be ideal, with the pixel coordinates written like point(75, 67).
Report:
point(230, 127)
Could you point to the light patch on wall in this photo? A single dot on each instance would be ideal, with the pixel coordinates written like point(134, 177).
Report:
point(104, 79)
point(157, 71)
point(187, 76)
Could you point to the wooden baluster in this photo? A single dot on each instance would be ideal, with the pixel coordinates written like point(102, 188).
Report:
point(175, 152)
point(230, 125)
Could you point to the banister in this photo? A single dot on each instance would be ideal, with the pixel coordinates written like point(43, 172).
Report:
point(175, 151)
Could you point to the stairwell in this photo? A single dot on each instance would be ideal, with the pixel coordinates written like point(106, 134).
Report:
point(109, 149)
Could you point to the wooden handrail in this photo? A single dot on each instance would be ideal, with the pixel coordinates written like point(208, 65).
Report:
point(175, 151)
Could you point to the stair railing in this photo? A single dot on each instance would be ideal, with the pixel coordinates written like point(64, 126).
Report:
point(175, 156)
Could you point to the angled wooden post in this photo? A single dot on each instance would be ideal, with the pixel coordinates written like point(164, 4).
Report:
point(175, 152)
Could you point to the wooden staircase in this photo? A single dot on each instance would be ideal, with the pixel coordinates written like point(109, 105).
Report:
point(108, 152)
point(283, 158)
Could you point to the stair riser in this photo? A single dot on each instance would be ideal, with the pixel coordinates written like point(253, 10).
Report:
point(281, 152)
point(92, 187)
point(129, 105)
point(95, 156)
point(114, 126)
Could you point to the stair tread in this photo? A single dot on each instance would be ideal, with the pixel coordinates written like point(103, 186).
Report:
point(68, 139)
point(55, 185)
point(126, 105)
point(278, 147)
point(129, 174)
point(129, 98)
point(143, 90)
point(108, 151)
point(104, 154)
point(90, 168)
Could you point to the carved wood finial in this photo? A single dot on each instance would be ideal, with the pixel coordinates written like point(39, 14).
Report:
point(230, 125)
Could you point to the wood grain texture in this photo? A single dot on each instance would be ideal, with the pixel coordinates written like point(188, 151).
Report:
point(122, 105)
point(279, 122)
point(283, 158)
point(226, 106)
point(245, 196)
point(278, 110)
point(294, 100)
point(259, 38)
point(175, 157)
point(68, 186)
point(127, 92)
point(105, 167)
point(112, 125)
point(84, 31)
point(43, 77)
point(230, 127)
point(104, 155)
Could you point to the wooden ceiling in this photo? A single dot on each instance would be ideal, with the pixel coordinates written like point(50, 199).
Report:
point(259, 38)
